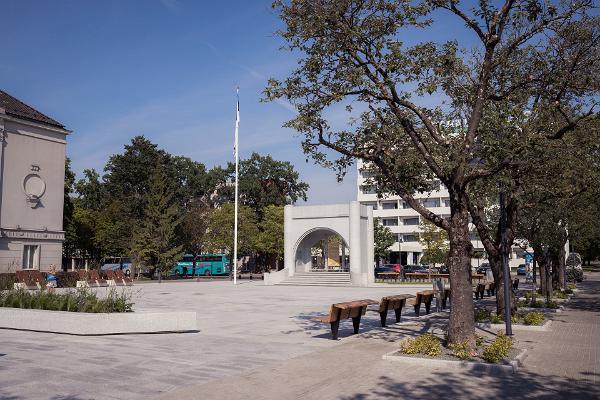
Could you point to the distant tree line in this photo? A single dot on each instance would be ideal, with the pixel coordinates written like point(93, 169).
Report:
point(154, 207)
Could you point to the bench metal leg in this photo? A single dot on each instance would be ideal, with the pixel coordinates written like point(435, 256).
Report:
point(383, 316)
point(417, 309)
point(427, 306)
point(398, 312)
point(335, 326)
point(356, 323)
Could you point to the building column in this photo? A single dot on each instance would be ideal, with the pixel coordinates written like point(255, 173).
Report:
point(289, 259)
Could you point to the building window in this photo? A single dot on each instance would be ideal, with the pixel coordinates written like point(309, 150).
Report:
point(410, 238)
point(389, 205)
point(411, 221)
point(367, 173)
point(446, 202)
point(405, 205)
point(390, 221)
point(430, 203)
point(399, 238)
point(368, 189)
point(372, 204)
point(31, 256)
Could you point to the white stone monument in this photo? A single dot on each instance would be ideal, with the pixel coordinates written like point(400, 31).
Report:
point(304, 226)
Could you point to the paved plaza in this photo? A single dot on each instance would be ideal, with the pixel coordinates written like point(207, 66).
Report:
point(258, 342)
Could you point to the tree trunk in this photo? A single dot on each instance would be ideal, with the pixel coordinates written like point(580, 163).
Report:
point(498, 271)
point(561, 268)
point(461, 326)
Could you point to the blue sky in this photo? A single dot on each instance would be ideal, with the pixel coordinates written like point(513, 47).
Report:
point(166, 69)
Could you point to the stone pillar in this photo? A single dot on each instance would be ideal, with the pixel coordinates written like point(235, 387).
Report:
point(288, 245)
point(72, 263)
point(356, 247)
point(370, 266)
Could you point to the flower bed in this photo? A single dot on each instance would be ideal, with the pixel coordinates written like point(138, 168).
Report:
point(80, 300)
point(494, 352)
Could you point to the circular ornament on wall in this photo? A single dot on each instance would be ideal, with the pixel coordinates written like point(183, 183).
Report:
point(34, 188)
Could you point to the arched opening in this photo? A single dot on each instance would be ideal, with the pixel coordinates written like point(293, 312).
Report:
point(322, 250)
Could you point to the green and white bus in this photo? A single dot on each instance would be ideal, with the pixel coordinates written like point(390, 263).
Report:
point(206, 264)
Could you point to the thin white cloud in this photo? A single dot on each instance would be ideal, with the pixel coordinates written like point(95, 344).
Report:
point(173, 6)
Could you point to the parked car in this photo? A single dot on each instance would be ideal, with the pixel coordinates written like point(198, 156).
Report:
point(483, 268)
point(444, 269)
point(387, 268)
point(522, 269)
point(415, 268)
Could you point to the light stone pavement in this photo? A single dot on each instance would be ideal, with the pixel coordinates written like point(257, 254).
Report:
point(242, 328)
point(563, 363)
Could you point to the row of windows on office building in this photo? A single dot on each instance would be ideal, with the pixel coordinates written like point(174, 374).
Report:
point(431, 202)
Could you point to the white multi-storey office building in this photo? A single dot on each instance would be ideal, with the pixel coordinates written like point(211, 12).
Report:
point(404, 222)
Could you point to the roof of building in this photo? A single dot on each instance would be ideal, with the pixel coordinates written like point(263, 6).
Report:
point(16, 108)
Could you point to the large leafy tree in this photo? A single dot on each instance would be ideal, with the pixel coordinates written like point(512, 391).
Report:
point(455, 113)
point(384, 238)
point(270, 239)
point(155, 242)
point(264, 181)
point(219, 236)
point(435, 243)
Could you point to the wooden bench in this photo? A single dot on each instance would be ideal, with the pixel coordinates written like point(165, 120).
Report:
point(113, 279)
point(124, 278)
point(395, 303)
point(388, 275)
point(423, 297)
point(26, 281)
point(445, 297)
point(417, 276)
point(339, 311)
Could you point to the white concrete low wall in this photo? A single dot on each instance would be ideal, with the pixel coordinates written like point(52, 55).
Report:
point(75, 323)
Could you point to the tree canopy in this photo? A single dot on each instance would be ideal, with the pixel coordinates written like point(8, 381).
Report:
point(424, 111)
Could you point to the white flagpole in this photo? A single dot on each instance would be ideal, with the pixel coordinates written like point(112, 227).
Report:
point(235, 224)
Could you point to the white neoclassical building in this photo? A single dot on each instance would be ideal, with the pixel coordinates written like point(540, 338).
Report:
point(32, 171)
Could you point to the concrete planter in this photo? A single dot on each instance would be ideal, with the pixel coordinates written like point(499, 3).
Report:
point(515, 327)
point(511, 367)
point(74, 323)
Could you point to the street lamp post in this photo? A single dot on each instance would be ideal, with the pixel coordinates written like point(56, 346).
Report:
point(505, 268)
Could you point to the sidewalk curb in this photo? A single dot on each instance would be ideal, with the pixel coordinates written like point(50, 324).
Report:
point(511, 367)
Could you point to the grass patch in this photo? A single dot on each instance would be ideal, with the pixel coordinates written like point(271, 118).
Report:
point(81, 300)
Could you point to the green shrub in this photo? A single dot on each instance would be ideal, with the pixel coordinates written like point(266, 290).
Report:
point(498, 349)
point(551, 304)
point(427, 344)
point(80, 300)
point(533, 318)
point(568, 291)
point(496, 319)
point(561, 295)
point(572, 286)
point(482, 314)
point(461, 350)
point(478, 340)
point(7, 280)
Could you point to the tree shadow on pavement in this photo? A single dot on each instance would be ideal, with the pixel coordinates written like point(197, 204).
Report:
point(478, 385)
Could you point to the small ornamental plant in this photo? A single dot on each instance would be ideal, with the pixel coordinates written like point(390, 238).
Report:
point(427, 344)
point(462, 350)
point(533, 318)
point(498, 349)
